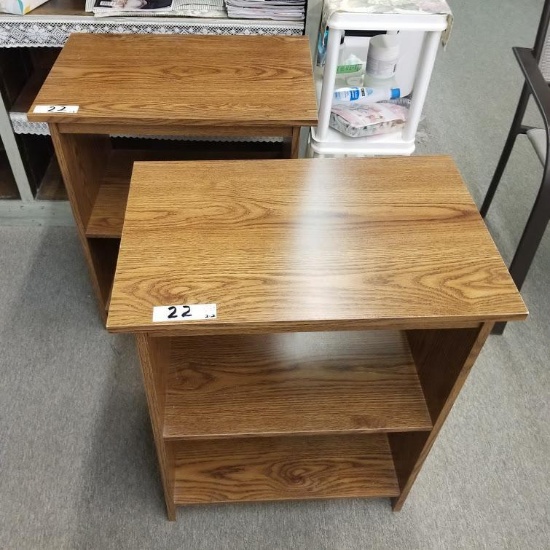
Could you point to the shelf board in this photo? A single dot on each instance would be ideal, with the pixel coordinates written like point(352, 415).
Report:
point(52, 187)
point(391, 143)
point(284, 468)
point(382, 144)
point(277, 384)
point(107, 216)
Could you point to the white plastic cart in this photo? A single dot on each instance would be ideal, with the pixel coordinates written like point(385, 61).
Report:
point(420, 36)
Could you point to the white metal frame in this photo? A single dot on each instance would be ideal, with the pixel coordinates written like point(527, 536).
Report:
point(326, 141)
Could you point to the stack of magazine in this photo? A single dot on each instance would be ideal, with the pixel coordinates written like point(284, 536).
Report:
point(288, 10)
point(148, 8)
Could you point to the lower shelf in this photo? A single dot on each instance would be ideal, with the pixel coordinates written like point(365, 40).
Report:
point(284, 468)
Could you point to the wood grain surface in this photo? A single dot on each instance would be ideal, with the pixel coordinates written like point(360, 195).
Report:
point(304, 383)
point(444, 358)
point(175, 80)
point(107, 216)
point(175, 130)
point(284, 468)
point(104, 254)
point(82, 160)
point(154, 355)
point(308, 244)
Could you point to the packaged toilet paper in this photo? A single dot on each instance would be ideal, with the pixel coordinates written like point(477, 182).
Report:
point(368, 120)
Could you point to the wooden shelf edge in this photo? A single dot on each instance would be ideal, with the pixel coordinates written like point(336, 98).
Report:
point(107, 217)
point(284, 469)
point(292, 384)
point(313, 433)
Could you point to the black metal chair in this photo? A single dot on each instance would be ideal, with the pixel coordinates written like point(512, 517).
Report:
point(535, 65)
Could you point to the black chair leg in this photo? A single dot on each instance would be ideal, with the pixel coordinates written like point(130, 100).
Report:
point(515, 129)
point(531, 238)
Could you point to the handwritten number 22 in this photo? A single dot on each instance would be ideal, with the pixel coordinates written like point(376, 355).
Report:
point(173, 312)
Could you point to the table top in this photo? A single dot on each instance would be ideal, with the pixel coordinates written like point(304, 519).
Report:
point(182, 80)
point(311, 244)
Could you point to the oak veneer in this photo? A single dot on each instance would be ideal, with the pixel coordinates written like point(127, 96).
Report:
point(239, 86)
point(336, 244)
point(296, 246)
point(283, 469)
point(276, 384)
point(215, 81)
point(154, 357)
point(443, 359)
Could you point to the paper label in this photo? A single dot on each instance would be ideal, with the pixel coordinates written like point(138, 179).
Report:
point(345, 69)
point(70, 109)
point(192, 312)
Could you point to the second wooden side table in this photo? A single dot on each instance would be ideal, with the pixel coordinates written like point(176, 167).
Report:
point(198, 86)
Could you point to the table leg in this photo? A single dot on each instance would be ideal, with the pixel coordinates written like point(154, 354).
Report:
point(82, 161)
point(291, 148)
point(154, 355)
point(443, 360)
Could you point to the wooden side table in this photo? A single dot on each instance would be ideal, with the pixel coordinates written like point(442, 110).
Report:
point(350, 306)
point(142, 85)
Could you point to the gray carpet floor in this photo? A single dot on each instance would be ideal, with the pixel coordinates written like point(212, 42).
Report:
point(77, 463)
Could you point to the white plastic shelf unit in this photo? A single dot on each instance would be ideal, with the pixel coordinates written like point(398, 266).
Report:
point(326, 141)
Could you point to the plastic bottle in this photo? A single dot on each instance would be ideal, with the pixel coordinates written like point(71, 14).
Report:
point(351, 71)
point(382, 60)
point(342, 49)
point(357, 95)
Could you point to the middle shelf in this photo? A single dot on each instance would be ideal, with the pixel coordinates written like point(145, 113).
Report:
point(292, 383)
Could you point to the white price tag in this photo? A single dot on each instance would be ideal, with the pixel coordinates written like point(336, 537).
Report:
point(71, 109)
point(195, 312)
